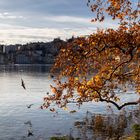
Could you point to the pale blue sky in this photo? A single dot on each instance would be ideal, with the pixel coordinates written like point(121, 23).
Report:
point(24, 21)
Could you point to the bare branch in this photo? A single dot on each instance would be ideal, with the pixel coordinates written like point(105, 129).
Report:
point(119, 107)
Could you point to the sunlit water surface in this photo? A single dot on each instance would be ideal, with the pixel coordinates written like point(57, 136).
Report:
point(16, 119)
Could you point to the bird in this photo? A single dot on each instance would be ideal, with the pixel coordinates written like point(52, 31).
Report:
point(29, 106)
point(23, 84)
point(28, 123)
point(52, 109)
point(30, 132)
point(52, 76)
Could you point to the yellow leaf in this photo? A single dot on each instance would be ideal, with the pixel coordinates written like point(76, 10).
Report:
point(138, 90)
point(76, 78)
point(65, 108)
point(89, 83)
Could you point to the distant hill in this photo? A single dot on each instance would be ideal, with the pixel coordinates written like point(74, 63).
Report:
point(31, 53)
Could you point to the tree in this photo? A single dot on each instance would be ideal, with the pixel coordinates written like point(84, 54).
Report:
point(96, 66)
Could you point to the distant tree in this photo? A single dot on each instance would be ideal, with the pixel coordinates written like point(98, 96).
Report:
point(99, 66)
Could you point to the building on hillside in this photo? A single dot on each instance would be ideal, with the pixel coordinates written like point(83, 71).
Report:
point(2, 58)
point(10, 48)
point(48, 59)
point(22, 59)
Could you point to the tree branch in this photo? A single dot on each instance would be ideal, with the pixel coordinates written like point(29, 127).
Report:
point(119, 107)
point(125, 62)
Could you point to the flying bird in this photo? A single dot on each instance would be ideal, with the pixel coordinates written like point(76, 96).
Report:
point(29, 106)
point(30, 132)
point(52, 76)
point(28, 123)
point(23, 84)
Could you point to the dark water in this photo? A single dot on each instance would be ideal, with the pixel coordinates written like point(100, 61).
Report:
point(16, 119)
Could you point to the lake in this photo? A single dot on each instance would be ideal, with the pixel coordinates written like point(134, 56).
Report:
point(16, 119)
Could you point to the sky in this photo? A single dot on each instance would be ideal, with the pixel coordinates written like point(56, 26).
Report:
point(23, 21)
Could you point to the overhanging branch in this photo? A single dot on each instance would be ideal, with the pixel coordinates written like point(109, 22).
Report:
point(119, 107)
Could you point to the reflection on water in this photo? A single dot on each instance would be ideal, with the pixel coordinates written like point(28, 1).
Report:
point(25, 68)
point(110, 126)
point(18, 121)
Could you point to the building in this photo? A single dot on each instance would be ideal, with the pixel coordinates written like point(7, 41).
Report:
point(22, 59)
point(2, 58)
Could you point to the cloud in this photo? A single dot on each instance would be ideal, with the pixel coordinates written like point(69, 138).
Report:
point(23, 21)
point(68, 26)
point(6, 15)
point(75, 21)
point(55, 7)
point(15, 35)
point(67, 19)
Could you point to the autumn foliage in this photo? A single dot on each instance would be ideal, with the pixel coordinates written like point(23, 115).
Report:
point(127, 11)
point(100, 66)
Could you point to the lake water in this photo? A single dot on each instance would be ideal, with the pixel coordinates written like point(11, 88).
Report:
point(16, 119)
